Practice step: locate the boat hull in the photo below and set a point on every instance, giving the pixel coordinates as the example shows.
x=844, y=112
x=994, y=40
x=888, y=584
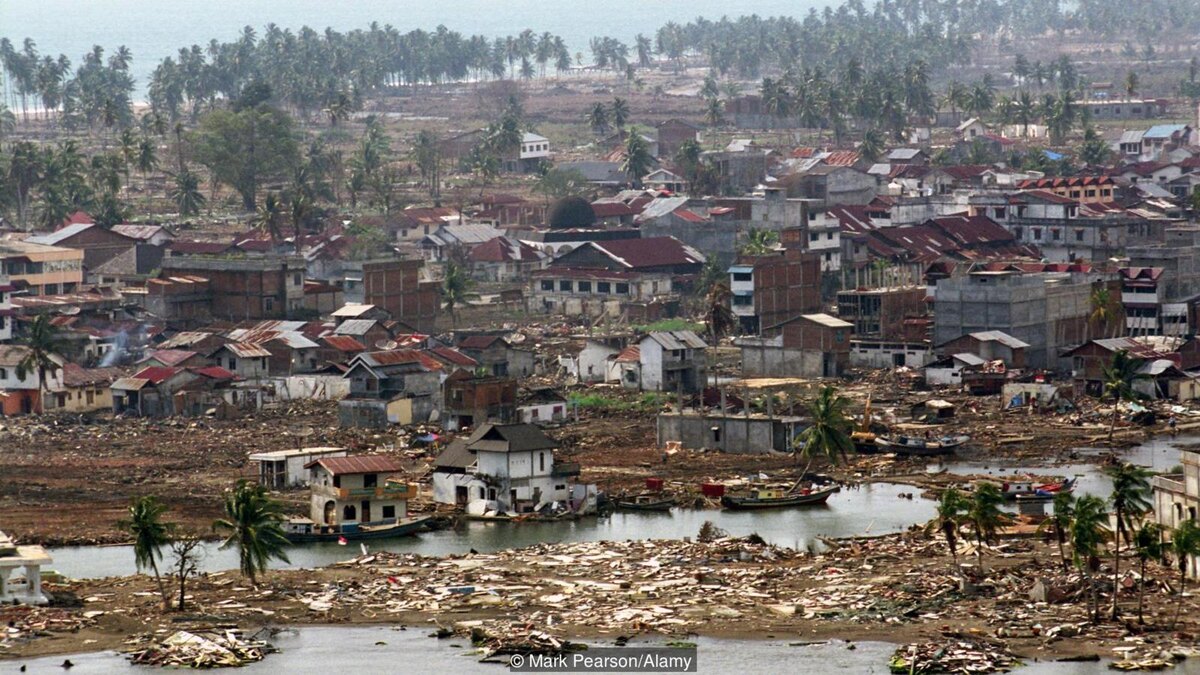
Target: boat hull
x=922, y=448
x=403, y=529
x=750, y=503
x=650, y=506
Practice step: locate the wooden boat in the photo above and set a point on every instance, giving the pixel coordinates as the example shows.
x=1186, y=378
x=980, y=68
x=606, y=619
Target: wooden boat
x=774, y=499
x=1047, y=492
x=305, y=531
x=921, y=447
x=645, y=502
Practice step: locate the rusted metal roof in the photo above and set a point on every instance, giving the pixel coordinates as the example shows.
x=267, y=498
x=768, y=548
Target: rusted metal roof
x=341, y=466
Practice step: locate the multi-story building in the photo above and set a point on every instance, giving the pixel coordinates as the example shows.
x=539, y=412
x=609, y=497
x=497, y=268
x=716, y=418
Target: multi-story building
x=767, y=290
x=1161, y=286
x=395, y=286
x=245, y=288
x=1048, y=311
x=7, y=313
x=39, y=269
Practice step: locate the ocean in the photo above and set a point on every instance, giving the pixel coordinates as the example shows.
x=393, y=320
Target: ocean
x=154, y=29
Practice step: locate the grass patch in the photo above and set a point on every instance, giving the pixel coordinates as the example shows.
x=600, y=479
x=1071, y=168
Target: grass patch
x=670, y=324
x=647, y=402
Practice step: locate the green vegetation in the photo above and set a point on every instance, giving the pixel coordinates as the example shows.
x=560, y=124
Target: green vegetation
x=252, y=523
x=647, y=402
x=669, y=324
x=150, y=534
x=828, y=432
x=1130, y=501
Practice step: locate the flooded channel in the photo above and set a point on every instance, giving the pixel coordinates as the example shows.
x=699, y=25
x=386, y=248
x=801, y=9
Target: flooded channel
x=870, y=509
x=384, y=649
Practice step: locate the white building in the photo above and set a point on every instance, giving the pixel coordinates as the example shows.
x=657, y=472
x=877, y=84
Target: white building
x=534, y=147
x=20, y=391
x=1177, y=497
x=7, y=313
x=508, y=469
x=23, y=587
x=280, y=469
x=825, y=239
x=664, y=361
x=357, y=490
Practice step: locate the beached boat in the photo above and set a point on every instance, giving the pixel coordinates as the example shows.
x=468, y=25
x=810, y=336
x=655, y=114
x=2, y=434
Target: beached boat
x=862, y=437
x=645, y=502
x=774, y=499
x=921, y=447
x=1047, y=492
x=304, y=531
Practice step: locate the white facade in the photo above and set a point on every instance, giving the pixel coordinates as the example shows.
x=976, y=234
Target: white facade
x=285, y=468
x=21, y=573
x=522, y=476
x=741, y=289
x=825, y=239
x=594, y=362
x=1177, y=498
x=534, y=146
x=541, y=413
x=9, y=379
x=6, y=310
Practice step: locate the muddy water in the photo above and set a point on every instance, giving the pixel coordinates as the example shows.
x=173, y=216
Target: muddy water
x=869, y=509
x=380, y=649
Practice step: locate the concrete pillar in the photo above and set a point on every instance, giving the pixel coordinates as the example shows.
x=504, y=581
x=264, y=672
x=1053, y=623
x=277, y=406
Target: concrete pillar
x=4, y=572
x=33, y=575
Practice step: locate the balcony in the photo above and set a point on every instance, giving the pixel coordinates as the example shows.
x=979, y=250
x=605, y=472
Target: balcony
x=387, y=491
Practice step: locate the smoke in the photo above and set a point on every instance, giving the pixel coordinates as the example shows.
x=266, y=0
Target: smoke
x=113, y=356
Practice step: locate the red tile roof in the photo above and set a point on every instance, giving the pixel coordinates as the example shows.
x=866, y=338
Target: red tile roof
x=478, y=341
x=842, y=158
x=1047, y=196
x=214, y=373
x=649, y=252
x=631, y=354
x=169, y=357
x=344, y=343
x=504, y=249
x=453, y=357
x=689, y=216
x=341, y=466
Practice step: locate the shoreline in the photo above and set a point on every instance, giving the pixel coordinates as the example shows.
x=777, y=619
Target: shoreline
x=896, y=588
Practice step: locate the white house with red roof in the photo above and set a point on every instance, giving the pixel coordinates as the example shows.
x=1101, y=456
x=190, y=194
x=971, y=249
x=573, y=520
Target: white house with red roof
x=503, y=259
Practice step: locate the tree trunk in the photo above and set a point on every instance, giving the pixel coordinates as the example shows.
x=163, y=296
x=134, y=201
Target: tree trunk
x=162, y=586
x=1142, y=594
x=1117, y=566
x=182, y=589
x=1062, y=552
x=1113, y=424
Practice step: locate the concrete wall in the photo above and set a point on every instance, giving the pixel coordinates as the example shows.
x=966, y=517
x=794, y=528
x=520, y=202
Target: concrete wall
x=760, y=360
x=733, y=433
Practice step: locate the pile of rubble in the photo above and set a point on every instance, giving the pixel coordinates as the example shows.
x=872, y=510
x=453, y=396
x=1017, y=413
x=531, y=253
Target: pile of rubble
x=959, y=656
x=202, y=649
x=21, y=623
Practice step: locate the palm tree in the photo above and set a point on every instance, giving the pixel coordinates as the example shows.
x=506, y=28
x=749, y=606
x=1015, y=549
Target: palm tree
x=1131, y=85
x=1087, y=538
x=720, y=316
x=456, y=287
x=1184, y=544
x=828, y=433
x=186, y=194
x=1130, y=498
x=8, y=121
x=638, y=159
x=42, y=345
x=597, y=118
x=1103, y=310
x=714, y=112
x=1119, y=376
x=759, y=242
x=620, y=112
x=983, y=511
x=872, y=145
x=269, y=216
x=1148, y=546
x=150, y=535
x=252, y=523
x=950, y=509
x=1060, y=520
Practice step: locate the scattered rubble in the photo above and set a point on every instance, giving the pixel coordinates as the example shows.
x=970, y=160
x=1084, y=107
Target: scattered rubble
x=202, y=649
x=959, y=656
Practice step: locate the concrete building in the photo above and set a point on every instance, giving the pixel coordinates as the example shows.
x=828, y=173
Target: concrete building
x=989, y=345
x=356, y=489
x=770, y=289
x=21, y=391
x=282, y=469
x=23, y=587
x=881, y=312
x=508, y=469
x=1176, y=497
x=470, y=401
x=752, y=434
x=39, y=269
x=670, y=361
x=7, y=312
x=99, y=245
x=391, y=387
x=1047, y=311
x=1161, y=286
x=245, y=288
x=809, y=345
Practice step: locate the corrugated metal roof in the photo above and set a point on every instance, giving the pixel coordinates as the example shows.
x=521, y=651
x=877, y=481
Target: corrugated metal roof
x=827, y=321
x=246, y=351
x=1001, y=337
x=678, y=339
x=168, y=357
x=649, y=252
x=354, y=327
x=53, y=238
x=340, y=466
x=352, y=310
x=344, y=343
x=970, y=359
x=130, y=384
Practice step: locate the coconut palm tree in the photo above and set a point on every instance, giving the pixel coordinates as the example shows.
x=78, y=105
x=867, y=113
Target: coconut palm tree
x=1103, y=309
x=1119, y=376
x=759, y=242
x=252, y=523
x=619, y=112
x=950, y=509
x=456, y=287
x=270, y=214
x=185, y=192
x=1060, y=521
x=150, y=535
x=720, y=315
x=1148, y=546
x=1087, y=540
x=714, y=112
x=1130, y=499
x=828, y=432
x=638, y=159
x=872, y=145
x=43, y=345
x=597, y=118
x=985, y=516
x=1184, y=545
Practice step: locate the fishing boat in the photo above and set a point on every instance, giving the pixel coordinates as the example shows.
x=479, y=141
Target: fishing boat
x=1032, y=490
x=645, y=502
x=305, y=531
x=763, y=498
x=921, y=447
